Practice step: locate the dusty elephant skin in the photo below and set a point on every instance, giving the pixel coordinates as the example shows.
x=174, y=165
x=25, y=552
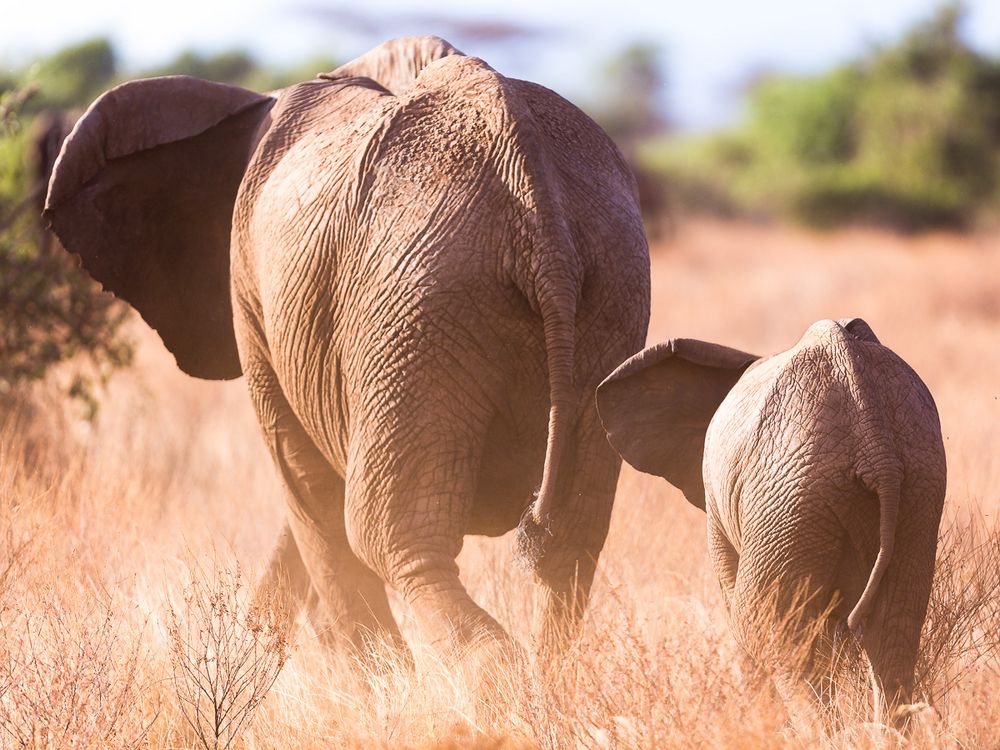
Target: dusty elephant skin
x=423, y=269
x=821, y=470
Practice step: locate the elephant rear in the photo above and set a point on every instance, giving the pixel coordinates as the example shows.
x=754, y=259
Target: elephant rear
x=871, y=500
x=901, y=462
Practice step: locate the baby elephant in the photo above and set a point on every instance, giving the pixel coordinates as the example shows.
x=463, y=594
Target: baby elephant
x=822, y=472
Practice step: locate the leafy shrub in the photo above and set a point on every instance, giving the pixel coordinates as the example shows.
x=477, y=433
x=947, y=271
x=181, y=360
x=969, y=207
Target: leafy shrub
x=907, y=136
x=52, y=312
x=73, y=76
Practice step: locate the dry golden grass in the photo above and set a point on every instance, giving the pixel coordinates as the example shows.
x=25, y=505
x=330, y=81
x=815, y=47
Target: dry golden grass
x=105, y=528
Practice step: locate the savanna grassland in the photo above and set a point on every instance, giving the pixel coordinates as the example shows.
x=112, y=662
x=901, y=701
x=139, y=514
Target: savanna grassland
x=130, y=543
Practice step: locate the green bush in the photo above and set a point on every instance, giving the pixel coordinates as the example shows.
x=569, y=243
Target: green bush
x=72, y=77
x=52, y=312
x=907, y=136
x=810, y=122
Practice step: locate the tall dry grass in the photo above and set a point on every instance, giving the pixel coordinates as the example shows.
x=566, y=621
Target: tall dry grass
x=105, y=526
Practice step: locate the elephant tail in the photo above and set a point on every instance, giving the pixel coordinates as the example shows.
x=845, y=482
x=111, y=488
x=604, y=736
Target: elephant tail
x=552, y=281
x=557, y=285
x=888, y=491
x=559, y=323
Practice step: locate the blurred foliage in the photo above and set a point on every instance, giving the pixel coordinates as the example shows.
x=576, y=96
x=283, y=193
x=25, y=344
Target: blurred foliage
x=629, y=103
x=52, y=312
x=630, y=97
x=73, y=76
x=240, y=68
x=908, y=136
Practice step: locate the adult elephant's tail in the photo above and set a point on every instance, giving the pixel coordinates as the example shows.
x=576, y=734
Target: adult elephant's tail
x=558, y=311
x=550, y=275
x=888, y=490
x=557, y=283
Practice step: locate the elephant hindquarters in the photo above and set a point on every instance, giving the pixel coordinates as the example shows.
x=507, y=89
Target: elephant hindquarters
x=413, y=457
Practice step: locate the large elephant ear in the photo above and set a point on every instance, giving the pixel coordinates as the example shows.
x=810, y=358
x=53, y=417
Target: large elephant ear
x=657, y=405
x=143, y=191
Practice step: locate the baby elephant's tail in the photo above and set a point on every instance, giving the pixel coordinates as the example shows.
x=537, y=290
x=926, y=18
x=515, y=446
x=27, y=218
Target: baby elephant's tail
x=887, y=488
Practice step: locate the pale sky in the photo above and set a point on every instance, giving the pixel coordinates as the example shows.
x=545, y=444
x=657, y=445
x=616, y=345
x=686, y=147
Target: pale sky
x=711, y=46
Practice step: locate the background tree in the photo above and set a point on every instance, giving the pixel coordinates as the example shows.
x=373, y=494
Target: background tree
x=906, y=136
x=631, y=106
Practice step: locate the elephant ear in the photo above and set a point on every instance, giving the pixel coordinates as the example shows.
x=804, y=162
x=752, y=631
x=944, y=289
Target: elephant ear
x=859, y=329
x=657, y=405
x=143, y=191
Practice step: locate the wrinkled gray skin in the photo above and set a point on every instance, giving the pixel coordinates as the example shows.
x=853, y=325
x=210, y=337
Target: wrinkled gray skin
x=821, y=467
x=422, y=268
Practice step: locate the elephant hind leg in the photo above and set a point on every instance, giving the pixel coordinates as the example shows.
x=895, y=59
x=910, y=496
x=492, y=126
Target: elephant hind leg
x=571, y=547
x=406, y=518
x=347, y=600
x=780, y=612
x=350, y=601
x=286, y=579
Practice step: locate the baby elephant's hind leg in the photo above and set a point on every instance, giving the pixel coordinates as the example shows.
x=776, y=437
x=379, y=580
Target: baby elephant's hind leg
x=779, y=610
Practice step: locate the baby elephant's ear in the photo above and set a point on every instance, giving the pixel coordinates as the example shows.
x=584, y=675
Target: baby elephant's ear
x=657, y=405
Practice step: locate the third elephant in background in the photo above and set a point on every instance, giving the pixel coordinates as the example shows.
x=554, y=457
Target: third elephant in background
x=822, y=472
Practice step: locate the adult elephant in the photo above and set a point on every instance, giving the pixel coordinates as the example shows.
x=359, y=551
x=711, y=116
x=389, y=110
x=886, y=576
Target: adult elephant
x=423, y=269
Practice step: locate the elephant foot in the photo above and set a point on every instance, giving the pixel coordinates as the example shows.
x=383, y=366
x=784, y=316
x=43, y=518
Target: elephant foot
x=498, y=675
x=567, y=590
x=472, y=646
x=907, y=716
x=367, y=647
